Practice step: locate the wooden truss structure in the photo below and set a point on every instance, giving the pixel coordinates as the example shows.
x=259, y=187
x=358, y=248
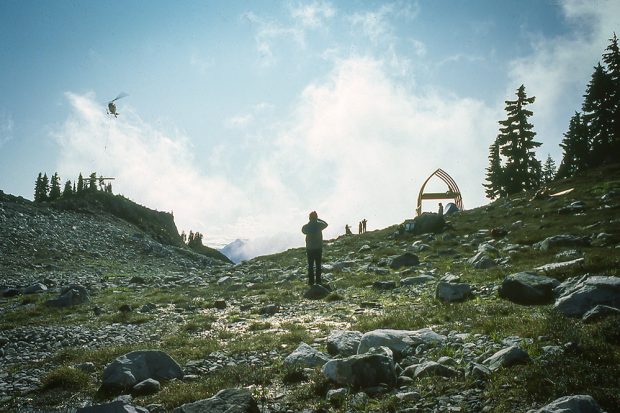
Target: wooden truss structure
x=453, y=191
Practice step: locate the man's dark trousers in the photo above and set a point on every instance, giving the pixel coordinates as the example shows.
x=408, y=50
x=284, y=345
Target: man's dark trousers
x=314, y=261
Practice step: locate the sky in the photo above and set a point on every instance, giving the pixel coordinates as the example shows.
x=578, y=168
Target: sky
x=244, y=116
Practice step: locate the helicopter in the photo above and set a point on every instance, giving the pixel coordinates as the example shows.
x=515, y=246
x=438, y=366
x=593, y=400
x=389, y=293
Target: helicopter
x=112, y=106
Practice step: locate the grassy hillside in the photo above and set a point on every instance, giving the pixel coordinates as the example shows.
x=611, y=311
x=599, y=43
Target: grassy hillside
x=233, y=326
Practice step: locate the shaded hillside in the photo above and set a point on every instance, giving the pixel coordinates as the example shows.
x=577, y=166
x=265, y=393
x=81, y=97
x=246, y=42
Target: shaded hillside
x=239, y=326
x=157, y=224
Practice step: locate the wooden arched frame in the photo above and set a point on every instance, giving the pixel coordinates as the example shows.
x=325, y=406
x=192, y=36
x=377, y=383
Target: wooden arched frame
x=453, y=191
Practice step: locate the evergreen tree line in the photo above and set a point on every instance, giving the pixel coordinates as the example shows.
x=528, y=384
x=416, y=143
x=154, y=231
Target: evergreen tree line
x=194, y=239
x=592, y=139
x=49, y=190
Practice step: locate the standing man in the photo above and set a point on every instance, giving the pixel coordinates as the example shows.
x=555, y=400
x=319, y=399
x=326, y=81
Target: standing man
x=314, y=246
x=364, y=225
x=440, y=212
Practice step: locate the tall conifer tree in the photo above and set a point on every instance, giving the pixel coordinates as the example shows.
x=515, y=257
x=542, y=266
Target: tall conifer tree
x=516, y=141
x=494, y=186
x=68, y=189
x=548, y=170
x=92, y=182
x=45, y=187
x=576, y=146
x=598, y=111
x=80, y=183
x=55, y=187
x=39, y=193
x=611, y=57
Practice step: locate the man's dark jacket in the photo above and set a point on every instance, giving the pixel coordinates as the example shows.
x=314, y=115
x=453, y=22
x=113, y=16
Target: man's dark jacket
x=314, y=236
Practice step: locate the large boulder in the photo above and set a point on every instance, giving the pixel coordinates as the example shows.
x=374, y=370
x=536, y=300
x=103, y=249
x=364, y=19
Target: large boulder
x=343, y=343
x=451, y=292
x=428, y=223
x=507, y=357
x=399, y=341
x=406, y=260
x=363, y=370
x=316, y=292
x=600, y=312
x=225, y=401
x=563, y=240
x=132, y=368
x=306, y=356
x=577, y=297
x=571, y=404
x=528, y=288
x=69, y=296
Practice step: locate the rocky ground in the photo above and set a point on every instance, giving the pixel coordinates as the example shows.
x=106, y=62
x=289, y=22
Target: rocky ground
x=498, y=344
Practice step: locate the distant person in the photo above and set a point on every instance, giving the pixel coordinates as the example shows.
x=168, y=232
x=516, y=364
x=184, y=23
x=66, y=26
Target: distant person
x=440, y=212
x=347, y=230
x=359, y=228
x=364, y=225
x=314, y=246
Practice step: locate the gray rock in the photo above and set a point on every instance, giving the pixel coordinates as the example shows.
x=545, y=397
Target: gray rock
x=363, y=370
x=600, y=312
x=419, y=246
x=117, y=406
x=225, y=401
x=577, y=297
x=406, y=260
x=384, y=285
x=87, y=367
x=477, y=371
x=482, y=261
x=564, y=265
x=562, y=241
x=419, y=279
x=316, y=292
x=337, y=396
x=146, y=387
x=507, y=357
x=428, y=223
x=528, y=288
x=34, y=288
x=451, y=292
x=306, y=356
x=343, y=343
x=399, y=341
x=131, y=368
x=70, y=296
x=431, y=368
x=571, y=404
x=269, y=309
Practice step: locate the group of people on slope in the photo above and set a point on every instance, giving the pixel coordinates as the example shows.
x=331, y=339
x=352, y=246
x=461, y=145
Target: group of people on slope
x=361, y=228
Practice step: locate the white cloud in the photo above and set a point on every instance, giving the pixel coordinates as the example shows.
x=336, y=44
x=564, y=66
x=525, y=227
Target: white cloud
x=377, y=25
x=361, y=146
x=151, y=167
x=313, y=14
x=268, y=33
x=6, y=129
x=238, y=121
x=559, y=68
x=356, y=145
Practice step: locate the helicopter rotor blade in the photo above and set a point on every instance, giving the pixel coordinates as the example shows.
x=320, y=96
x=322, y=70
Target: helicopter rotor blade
x=120, y=96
